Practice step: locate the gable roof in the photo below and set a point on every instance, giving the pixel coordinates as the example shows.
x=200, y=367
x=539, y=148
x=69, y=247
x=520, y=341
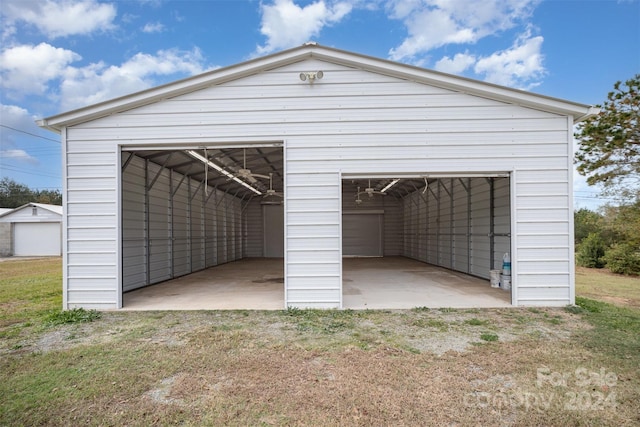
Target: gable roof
x=313, y=50
x=56, y=209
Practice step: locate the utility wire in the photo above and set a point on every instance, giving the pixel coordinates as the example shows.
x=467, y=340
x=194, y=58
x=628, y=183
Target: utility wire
x=29, y=133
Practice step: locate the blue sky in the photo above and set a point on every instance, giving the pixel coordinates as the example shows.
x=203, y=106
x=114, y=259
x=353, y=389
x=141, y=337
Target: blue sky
x=60, y=55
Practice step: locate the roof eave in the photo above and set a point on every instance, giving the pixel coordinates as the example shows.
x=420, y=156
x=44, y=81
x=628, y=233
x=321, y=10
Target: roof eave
x=172, y=89
x=578, y=111
x=461, y=84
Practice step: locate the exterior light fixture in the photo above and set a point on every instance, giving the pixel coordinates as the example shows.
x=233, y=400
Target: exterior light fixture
x=389, y=185
x=311, y=76
x=221, y=170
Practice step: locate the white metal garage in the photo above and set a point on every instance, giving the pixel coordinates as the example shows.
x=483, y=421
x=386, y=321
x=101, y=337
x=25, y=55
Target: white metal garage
x=368, y=158
x=36, y=229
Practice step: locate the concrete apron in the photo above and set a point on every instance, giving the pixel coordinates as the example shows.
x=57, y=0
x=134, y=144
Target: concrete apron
x=373, y=283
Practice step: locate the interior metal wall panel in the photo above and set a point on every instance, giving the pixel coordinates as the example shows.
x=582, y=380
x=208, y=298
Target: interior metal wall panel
x=197, y=232
x=391, y=207
x=254, y=231
x=461, y=224
x=159, y=235
x=480, y=227
x=134, y=227
x=457, y=226
x=273, y=216
x=171, y=227
x=180, y=223
x=210, y=229
x=362, y=234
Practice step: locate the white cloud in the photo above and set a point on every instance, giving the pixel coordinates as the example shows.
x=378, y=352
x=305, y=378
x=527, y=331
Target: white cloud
x=60, y=18
x=519, y=66
x=19, y=155
x=15, y=117
x=456, y=65
x=153, y=27
x=99, y=82
x=435, y=23
x=285, y=24
x=27, y=69
x=42, y=69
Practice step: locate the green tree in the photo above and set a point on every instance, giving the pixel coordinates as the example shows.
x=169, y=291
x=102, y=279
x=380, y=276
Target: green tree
x=591, y=252
x=585, y=223
x=609, y=142
x=622, y=223
x=623, y=258
x=13, y=194
x=51, y=197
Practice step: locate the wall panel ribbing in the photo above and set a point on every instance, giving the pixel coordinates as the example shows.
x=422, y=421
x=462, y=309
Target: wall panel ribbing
x=452, y=220
x=170, y=225
x=351, y=122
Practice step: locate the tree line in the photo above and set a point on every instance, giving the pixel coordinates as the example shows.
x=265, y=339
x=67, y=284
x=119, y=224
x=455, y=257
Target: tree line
x=609, y=155
x=13, y=195
x=609, y=238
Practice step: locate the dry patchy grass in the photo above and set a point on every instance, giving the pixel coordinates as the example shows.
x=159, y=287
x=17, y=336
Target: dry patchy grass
x=603, y=285
x=347, y=368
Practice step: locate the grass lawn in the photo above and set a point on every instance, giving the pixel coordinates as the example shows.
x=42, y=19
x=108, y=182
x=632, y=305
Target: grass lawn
x=603, y=285
x=520, y=366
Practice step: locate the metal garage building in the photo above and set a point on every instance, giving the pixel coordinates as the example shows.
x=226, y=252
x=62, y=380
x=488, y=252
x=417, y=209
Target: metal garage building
x=366, y=157
x=35, y=230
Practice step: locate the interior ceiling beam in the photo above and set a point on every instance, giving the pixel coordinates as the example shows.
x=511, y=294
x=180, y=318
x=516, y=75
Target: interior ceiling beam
x=420, y=176
x=212, y=147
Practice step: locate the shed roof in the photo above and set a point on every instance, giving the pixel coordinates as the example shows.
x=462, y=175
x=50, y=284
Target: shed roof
x=56, y=209
x=313, y=50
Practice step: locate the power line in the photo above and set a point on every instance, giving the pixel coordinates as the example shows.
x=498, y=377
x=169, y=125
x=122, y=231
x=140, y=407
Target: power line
x=26, y=171
x=29, y=133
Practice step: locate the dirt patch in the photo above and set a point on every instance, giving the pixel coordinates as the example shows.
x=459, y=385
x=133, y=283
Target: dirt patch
x=298, y=367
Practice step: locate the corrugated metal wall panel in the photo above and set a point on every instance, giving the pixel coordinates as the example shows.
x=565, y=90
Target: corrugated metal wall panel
x=134, y=231
x=197, y=232
x=452, y=222
x=89, y=241
x=182, y=223
x=390, y=206
x=211, y=228
x=307, y=233
x=160, y=255
x=461, y=224
x=366, y=123
x=502, y=221
x=254, y=231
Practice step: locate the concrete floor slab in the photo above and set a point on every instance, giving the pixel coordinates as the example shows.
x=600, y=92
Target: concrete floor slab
x=401, y=283
x=251, y=283
x=368, y=283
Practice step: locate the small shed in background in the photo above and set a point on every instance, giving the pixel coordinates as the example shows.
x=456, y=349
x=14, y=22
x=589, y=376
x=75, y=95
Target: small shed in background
x=34, y=229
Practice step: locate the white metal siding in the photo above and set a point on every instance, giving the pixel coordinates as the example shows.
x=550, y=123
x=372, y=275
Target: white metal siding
x=313, y=240
x=352, y=121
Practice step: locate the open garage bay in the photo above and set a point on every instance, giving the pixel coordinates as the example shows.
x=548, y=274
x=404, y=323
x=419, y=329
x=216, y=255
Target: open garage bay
x=369, y=283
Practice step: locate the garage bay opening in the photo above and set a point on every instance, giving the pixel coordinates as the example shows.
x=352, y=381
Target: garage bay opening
x=424, y=241
x=204, y=226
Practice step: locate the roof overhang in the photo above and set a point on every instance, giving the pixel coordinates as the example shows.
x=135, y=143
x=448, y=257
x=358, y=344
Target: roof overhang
x=578, y=111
